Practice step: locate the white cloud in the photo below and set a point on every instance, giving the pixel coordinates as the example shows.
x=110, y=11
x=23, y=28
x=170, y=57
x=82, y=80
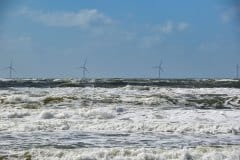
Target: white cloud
x=182, y=26
x=165, y=28
x=150, y=41
x=84, y=18
x=230, y=14
x=227, y=16
x=170, y=27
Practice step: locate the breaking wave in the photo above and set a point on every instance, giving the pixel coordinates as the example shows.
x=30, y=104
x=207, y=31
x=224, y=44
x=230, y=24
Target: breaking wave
x=146, y=120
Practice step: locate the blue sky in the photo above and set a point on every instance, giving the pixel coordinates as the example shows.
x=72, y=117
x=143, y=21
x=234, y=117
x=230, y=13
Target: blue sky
x=120, y=38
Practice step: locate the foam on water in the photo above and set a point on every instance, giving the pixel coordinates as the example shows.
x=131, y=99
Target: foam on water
x=120, y=121
x=199, y=153
x=18, y=115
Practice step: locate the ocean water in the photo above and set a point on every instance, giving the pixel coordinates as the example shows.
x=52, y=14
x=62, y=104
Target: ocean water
x=145, y=120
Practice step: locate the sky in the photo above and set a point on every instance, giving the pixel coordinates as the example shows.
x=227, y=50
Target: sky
x=120, y=39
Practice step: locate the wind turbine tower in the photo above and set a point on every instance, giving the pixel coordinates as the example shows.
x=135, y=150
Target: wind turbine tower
x=84, y=69
x=237, y=71
x=11, y=69
x=160, y=69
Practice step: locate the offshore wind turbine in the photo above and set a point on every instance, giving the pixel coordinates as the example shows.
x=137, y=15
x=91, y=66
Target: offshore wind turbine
x=237, y=71
x=11, y=69
x=160, y=69
x=84, y=69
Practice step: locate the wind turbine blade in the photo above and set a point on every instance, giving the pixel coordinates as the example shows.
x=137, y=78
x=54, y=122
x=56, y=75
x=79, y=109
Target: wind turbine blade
x=80, y=68
x=85, y=62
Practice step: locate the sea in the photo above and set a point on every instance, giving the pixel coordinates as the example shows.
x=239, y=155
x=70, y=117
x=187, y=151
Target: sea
x=119, y=119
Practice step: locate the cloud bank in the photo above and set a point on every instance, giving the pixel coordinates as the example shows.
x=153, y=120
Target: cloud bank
x=83, y=18
x=170, y=27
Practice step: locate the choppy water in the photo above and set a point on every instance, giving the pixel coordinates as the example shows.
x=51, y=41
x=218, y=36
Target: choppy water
x=128, y=122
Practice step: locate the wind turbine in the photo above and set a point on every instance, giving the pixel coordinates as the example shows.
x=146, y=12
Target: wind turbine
x=11, y=69
x=84, y=69
x=160, y=69
x=237, y=71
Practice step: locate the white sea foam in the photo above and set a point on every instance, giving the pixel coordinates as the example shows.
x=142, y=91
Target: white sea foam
x=18, y=115
x=98, y=113
x=16, y=99
x=132, y=120
x=203, y=153
x=226, y=80
x=137, y=111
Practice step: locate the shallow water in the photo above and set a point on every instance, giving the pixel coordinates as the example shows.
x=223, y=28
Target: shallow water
x=135, y=122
